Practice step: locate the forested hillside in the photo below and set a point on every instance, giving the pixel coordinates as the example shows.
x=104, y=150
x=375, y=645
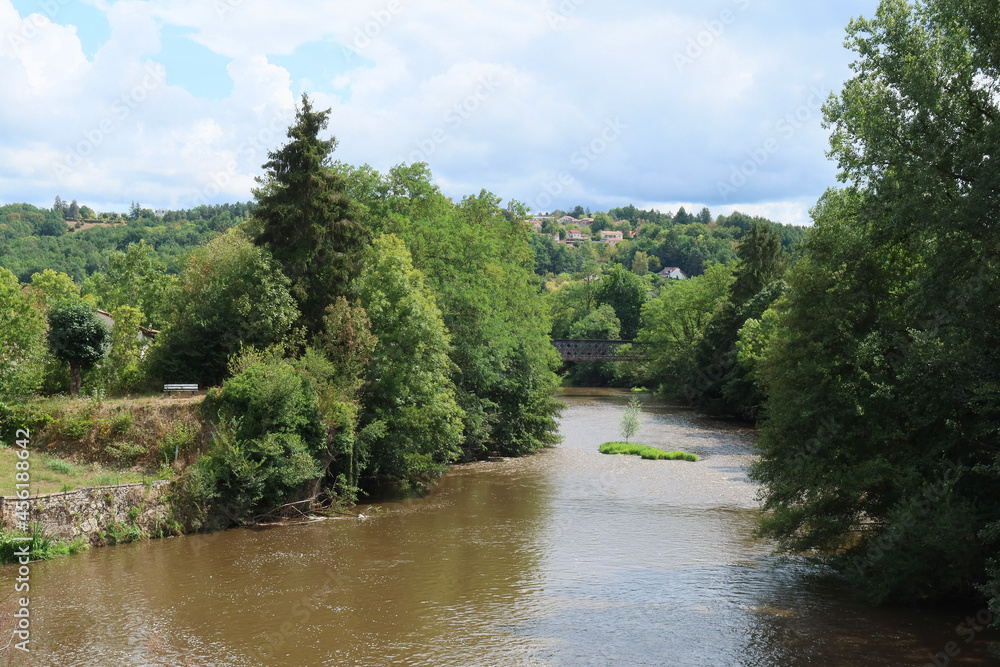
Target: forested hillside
x=34, y=239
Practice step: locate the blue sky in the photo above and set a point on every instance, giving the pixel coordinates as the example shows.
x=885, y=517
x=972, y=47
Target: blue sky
x=174, y=103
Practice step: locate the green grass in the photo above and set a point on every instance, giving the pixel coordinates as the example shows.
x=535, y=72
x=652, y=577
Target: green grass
x=51, y=474
x=646, y=452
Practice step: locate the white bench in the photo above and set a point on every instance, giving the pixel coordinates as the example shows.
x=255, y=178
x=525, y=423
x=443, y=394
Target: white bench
x=180, y=387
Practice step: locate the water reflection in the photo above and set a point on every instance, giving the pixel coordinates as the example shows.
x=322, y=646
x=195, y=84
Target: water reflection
x=566, y=558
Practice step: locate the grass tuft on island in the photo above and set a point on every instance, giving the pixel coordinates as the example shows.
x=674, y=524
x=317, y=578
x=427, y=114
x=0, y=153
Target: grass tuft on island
x=646, y=452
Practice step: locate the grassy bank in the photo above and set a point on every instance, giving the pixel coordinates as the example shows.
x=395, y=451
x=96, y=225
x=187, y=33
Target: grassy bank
x=646, y=452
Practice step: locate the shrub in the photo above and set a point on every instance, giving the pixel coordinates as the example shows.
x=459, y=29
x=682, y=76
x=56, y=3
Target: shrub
x=61, y=467
x=125, y=453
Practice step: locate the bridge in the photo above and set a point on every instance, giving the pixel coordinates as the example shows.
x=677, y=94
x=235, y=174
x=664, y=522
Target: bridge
x=601, y=350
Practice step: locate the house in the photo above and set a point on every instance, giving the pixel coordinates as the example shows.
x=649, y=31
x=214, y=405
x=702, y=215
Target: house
x=145, y=336
x=611, y=237
x=567, y=219
x=585, y=221
x=574, y=235
x=160, y=212
x=536, y=225
x=673, y=273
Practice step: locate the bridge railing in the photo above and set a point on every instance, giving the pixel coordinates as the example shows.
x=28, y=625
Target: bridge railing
x=601, y=350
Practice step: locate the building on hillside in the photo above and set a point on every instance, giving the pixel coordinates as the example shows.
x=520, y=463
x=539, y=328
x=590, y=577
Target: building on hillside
x=567, y=219
x=160, y=212
x=536, y=225
x=673, y=273
x=574, y=235
x=586, y=221
x=613, y=238
x=146, y=335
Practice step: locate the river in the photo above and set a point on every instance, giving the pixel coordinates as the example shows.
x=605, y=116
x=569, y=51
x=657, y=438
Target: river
x=567, y=558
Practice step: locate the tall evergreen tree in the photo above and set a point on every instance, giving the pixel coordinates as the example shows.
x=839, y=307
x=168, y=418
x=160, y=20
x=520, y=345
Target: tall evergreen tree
x=305, y=217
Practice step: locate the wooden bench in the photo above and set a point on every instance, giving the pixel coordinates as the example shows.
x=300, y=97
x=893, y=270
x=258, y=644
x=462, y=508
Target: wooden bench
x=180, y=387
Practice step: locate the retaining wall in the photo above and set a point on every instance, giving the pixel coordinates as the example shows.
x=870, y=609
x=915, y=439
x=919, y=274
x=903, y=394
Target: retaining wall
x=91, y=512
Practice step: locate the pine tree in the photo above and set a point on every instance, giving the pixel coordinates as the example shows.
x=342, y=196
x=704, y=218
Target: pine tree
x=306, y=218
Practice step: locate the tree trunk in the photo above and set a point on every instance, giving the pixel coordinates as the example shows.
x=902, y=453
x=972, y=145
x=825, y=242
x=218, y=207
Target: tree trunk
x=74, y=383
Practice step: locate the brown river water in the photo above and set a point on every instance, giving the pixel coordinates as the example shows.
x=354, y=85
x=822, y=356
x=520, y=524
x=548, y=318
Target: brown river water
x=568, y=558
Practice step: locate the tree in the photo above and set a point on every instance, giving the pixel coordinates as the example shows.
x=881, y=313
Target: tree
x=78, y=337
x=599, y=324
x=630, y=421
x=122, y=371
x=134, y=211
x=73, y=212
x=22, y=340
x=59, y=206
x=53, y=287
x=626, y=293
x=578, y=212
x=231, y=294
x=762, y=260
x=640, y=263
x=410, y=422
x=305, y=217
x=138, y=279
x=674, y=324
x=882, y=369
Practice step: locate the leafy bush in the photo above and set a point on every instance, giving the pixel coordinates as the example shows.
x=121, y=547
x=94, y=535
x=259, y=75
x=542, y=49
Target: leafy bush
x=125, y=452
x=178, y=440
x=269, y=442
x=265, y=398
x=40, y=547
x=61, y=467
x=15, y=416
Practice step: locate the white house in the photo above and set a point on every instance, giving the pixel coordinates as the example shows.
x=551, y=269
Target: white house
x=611, y=237
x=673, y=273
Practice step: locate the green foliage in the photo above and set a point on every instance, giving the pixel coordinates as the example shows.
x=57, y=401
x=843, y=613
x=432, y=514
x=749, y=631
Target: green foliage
x=881, y=371
x=630, y=422
x=77, y=337
x=305, y=218
x=646, y=452
x=137, y=279
x=269, y=442
x=626, y=293
x=178, y=441
x=674, y=324
x=53, y=287
x=124, y=452
x=27, y=246
x=600, y=324
x=477, y=261
x=123, y=371
x=231, y=294
x=61, y=467
x=122, y=533
x=408, y=388
x=22, y=340
x=40, y=546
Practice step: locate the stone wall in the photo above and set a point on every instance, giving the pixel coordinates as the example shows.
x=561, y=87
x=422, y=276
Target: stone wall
x=91, y=512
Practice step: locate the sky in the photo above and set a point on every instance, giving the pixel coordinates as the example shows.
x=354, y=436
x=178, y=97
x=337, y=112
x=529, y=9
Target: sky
x=555, y=103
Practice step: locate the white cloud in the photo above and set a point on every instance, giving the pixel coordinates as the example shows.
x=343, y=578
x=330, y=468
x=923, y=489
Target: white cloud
x=494, y=94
